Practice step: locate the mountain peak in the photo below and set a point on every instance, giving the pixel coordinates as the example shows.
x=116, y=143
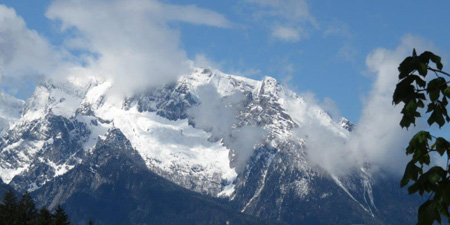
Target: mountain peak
x=346, y=124
x=269, y=86
x=237, y=138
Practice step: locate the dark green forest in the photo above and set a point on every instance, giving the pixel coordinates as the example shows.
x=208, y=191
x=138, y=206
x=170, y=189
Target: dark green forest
x=23, y=211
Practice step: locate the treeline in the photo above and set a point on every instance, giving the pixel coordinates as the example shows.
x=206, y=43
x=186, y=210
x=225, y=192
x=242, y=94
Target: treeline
x=24, y=212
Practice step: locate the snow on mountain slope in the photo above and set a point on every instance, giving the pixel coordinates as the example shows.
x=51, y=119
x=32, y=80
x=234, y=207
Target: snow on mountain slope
x=173, y=149
x=211, y=153
x=45, y=141
x=252, y=142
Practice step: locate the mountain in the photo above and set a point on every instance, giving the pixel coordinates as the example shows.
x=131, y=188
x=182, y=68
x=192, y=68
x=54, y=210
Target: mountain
x=114, y=186
x=211, y=146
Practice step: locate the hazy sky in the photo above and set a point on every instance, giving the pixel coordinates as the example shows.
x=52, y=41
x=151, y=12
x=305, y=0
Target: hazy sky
x=319, y=47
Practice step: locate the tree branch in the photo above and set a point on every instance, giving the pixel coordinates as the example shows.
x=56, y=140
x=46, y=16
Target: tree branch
x=438, y=71
x=426, y=89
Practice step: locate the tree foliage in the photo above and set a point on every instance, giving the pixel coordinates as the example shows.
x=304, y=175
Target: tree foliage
x=423, y=88
x=24, y=212
x=60, y=217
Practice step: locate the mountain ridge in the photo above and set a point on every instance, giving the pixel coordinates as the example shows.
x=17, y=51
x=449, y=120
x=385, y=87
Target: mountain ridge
x=213, y=133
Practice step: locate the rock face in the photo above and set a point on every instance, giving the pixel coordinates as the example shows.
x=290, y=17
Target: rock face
x=207, y=135
x=114, y=186
x=346, y=124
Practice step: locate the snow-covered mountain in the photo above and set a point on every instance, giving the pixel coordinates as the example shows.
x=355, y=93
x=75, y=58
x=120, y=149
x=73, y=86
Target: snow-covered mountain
x=213, y=133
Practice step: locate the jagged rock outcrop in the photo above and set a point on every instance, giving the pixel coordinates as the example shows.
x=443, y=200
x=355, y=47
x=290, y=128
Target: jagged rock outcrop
x=214, y=134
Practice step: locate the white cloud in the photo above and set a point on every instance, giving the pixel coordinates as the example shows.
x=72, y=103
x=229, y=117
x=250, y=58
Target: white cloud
x=193, y=14
x=201, y=60
x=245, y=140
x=211, y=107
x=242, y=141
x=286, y=33
x=292, y=10
x=324, y=147
x=23, y=52
x=378, y=138
x=327, y=104
x=131, y=41
x=246, y=72
x=290, y=16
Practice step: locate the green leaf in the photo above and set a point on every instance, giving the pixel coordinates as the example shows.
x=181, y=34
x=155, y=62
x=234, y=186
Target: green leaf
x=403, y=92
x=439, y=66
x=425, y=159
x=423, y=136
x=445, y=194
x=419, y=142
x=418, y=147
x=436, y=83
x=411, y=107
x=405, y=122
x=440, y=120
x=430, y=107
x=435, y=181
x=444, y=103
x=435, y=174
x=431, y=120
x=441, y=145
x=414, y=188
x=417, y=114
x=434, y=95
x=406, y=67
x=420, y=81
x=421, y=96
x=411, y=173
x=437, y=60
x=425, y=57
x=422, y=69
x=428, y=213
x=447, y=92
x=434, y=87
x=436, y=117
x=420, y=104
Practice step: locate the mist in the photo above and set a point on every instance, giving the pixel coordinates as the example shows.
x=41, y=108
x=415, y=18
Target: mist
x=130, y=43
x=133, y=44
x=218, y=115
x=377, y=140
x=25, y=55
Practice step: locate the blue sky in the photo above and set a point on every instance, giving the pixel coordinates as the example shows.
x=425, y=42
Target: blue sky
x=312, y=46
